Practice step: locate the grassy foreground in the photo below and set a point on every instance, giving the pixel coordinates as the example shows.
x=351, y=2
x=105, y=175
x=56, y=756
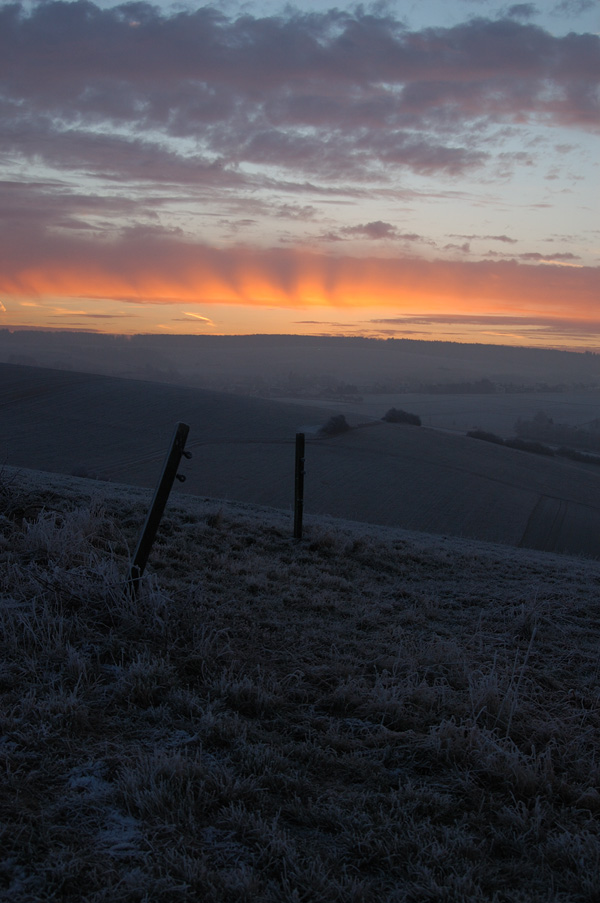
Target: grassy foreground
x=367, y=715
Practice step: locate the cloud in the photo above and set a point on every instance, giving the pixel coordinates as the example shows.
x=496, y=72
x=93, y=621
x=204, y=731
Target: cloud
x=189, y=313
x=96, y=316
x=522, y=11
x=523, y=327
x=535, y=255
x=296, y=211
x=115, y=137
x=330, y=235
x=562, y=257
x=142, y=269
x=484, y=320
x=503, y=238
x=30, y=208
x=197, y=97
x=574, y=7
x=464, y=248
x=375, y=230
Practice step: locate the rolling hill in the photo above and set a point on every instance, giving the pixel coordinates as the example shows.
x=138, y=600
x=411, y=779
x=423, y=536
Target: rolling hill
x=243, y=449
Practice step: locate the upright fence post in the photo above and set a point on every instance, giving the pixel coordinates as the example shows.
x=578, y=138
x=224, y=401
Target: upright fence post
x=299, y=486
x=157, y=507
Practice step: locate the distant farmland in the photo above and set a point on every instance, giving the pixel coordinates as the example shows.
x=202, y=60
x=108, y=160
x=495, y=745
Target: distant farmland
x=390, y=474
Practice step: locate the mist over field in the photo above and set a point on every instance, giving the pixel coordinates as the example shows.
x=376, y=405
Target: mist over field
x=105, y=407
x=305, y=366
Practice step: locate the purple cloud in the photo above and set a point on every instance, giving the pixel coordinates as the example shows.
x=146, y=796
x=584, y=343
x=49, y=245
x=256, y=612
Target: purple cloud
x=574, y=7
x=376, y=230
x=335, y=94
x=534, y=255
x=537, y=257
x=503, y=238
x=522, y=11
x=527, y=324
x=464, y=248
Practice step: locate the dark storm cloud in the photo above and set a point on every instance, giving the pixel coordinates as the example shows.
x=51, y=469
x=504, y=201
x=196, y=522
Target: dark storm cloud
x=332, y=94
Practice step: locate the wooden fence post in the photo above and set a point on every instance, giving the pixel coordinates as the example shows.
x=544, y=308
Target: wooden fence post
x=299, y=486
x=157, y=507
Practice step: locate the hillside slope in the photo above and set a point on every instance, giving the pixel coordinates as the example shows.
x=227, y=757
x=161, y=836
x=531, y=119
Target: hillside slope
x=243, y=449
x=365, y=715
x=426, y=480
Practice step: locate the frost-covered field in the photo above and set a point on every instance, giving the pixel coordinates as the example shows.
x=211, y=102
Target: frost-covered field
x=366, y=715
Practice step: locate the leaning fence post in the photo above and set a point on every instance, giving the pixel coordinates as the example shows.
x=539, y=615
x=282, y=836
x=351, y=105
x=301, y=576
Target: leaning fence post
x=157, y=507
x=299, y=486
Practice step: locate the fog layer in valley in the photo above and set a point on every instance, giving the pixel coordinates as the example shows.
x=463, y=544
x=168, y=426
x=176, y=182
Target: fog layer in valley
x=436, y=478
x=306, y=366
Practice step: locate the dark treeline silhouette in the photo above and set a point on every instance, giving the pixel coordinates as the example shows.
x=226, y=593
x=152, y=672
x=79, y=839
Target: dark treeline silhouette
x=469, y=387
x=535, y=447
x=487, y=437
x=529, y=445
x=575, y=455
x=543, y=429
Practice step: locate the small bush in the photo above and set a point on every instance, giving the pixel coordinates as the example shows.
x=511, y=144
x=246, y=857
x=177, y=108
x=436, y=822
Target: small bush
x=575, y=455
x=335, y=426
x=394, y=415
x=537, y=448
x=487, y=437
x=80, y=470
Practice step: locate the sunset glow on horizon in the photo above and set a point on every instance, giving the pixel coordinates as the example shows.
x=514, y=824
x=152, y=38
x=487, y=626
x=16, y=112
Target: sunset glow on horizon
x=419, y=173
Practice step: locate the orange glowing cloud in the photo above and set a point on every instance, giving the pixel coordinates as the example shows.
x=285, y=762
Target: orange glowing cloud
x=170, y=272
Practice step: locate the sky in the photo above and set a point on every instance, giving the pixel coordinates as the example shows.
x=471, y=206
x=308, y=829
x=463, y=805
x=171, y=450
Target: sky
x=398, y=169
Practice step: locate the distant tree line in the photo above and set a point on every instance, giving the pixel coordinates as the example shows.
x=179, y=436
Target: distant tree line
x=487, y=437
x=535, y=447
x=543, y=429
x=528, y=445
x=469, y=387
x=521, y=444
